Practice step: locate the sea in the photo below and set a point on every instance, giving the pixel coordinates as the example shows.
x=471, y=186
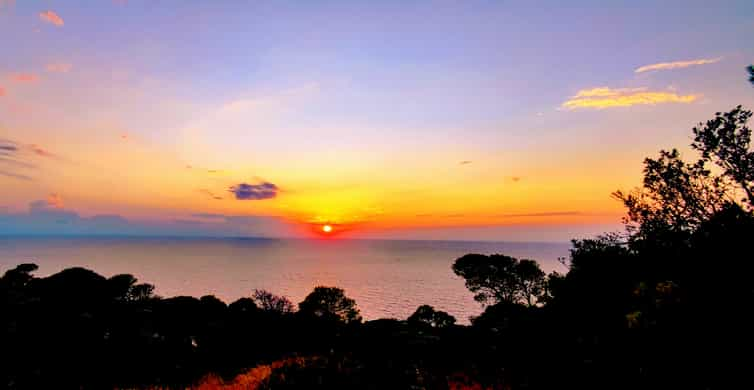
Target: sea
x=386, y=278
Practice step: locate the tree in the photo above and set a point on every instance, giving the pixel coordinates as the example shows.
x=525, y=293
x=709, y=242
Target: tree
x=751, y=73
x=726, y=141
x=426, y=314
x=499, y=278
x=675, y=196
x=267, y=301
x=330, y=302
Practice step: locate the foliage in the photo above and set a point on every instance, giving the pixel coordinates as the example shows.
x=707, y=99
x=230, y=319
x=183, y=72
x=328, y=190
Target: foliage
x=726, y=141
x=675, y=197
x=499, y=278
x=330, y=302
x=427, y=315
x=268, y=301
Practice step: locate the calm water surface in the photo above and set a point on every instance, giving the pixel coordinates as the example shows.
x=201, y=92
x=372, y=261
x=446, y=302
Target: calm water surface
x=386, y=278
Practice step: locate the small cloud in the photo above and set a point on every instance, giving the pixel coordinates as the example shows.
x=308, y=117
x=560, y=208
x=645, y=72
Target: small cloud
x=465, y=162
x=39, y=151
x=24, y=77
x=676, y=64
x=516, y=179
x=51, y=17
x=264, y=190
x=604, y=97
x=59, y=67
x=210, y=194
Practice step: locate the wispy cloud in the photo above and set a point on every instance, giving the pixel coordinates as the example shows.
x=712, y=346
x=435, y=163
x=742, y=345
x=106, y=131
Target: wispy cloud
x=24, y=77
x=543, y=214
x=210, y=194
x=676, y=64
x=15, y=176
x=59, y=67
x=51, y=17
x=39, y=151
x=465, y=162
x=604, y=97
x=264, y=190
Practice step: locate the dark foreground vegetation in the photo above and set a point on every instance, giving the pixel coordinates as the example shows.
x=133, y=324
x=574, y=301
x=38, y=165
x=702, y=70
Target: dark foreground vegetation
x=667, y=304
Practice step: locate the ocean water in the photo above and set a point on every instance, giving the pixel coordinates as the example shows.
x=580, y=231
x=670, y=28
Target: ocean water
x=388, y=279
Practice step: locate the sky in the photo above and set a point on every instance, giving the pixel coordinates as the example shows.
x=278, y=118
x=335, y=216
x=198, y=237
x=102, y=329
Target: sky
x=473, y=120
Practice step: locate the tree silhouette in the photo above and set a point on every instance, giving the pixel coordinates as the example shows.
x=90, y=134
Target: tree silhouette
x=675, y=196
x=267, y=301
x=726, y=141
x=751, y=73
x=427, y=315
x=330, y=302
x=499, y=278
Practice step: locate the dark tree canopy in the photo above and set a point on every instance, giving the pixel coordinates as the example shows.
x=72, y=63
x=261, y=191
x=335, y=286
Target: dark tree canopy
x=330, y=302
x=751, y=73
x=268, y=301
x=427, y=315
x=499, y=278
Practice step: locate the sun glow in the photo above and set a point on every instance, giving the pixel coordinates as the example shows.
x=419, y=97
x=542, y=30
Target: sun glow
x=327, y=228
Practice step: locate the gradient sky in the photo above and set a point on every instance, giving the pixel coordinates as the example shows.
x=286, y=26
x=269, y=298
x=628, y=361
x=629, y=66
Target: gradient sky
x=489, y=120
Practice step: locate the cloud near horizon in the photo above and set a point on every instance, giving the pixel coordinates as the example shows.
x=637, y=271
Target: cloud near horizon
x=605, y=97
x=543, y=214
x=245, y=191
x=44, y=217
x=51, y=17
x=676, y=64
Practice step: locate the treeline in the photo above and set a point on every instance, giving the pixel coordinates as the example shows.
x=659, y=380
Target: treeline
x=666, y=304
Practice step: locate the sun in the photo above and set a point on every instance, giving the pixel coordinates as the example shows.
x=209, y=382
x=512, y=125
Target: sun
x=327, y=228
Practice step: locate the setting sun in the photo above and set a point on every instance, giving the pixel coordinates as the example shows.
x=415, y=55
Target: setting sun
x=327, y=228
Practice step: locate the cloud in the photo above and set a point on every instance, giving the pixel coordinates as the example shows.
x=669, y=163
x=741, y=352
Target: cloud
x=59, y=67
x=604, y=97
x=7, y=146
x=516, y=179
x=544, y=214
x=15, y=175
x=53, y=202
x=2, y=91
x=465, y=162
x=676, y=64
x=210, y=194
x=24, y=77
x=51, y=17
x=39, y=151
x=14, y=162
x=264, y=190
